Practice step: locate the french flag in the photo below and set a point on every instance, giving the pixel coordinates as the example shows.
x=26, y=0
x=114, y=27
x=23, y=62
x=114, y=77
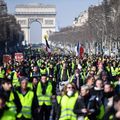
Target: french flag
x=77, y=49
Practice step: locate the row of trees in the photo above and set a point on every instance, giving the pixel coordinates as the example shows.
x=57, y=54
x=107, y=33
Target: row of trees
x=104, y=21
x=11, y=36
x=100, y=33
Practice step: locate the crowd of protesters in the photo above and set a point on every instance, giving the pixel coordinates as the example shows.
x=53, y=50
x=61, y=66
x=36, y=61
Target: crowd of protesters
x=60, y=88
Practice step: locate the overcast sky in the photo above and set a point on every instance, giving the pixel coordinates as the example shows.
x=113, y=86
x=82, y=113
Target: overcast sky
x=67, y=10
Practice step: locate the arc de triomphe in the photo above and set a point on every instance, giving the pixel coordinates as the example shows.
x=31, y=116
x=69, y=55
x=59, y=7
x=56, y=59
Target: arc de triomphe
x=44, y=14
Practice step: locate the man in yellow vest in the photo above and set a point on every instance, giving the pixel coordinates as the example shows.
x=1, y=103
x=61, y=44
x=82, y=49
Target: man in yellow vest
x=44, y=94
x=43, y=69
x=27, y=99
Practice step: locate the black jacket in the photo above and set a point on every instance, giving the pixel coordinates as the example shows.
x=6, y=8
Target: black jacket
x=88, y=102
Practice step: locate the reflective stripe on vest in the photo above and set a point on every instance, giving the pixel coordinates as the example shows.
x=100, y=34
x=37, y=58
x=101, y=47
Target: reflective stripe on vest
x=26, y=102
x=67, y=106
x=44, y=99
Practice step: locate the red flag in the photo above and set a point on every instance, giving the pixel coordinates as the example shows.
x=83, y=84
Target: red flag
x=81, y=52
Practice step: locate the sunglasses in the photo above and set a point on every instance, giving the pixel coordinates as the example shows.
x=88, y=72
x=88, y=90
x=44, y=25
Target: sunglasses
x=70, y=87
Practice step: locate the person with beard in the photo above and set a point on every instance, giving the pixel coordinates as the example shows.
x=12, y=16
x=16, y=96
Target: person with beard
x=98, y=90
x=45, y=94
x=108, y=96
x=86, y=106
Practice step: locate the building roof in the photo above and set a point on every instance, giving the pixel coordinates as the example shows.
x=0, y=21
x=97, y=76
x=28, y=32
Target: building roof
x=35, y=5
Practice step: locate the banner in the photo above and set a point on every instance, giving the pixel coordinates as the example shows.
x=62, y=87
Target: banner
x=7, y=58
x=19, y=57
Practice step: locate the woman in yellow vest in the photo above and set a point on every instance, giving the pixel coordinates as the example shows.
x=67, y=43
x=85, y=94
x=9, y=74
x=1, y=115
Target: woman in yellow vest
x=67, y=102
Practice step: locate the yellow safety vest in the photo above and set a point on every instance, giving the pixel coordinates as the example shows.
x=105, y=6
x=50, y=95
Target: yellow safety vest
x=10, y=114
x=44, y=99
x=101, y=113
x=67, y=106
x=114, y=71
x=43, y=71
x=59, y=99
x=26, y=102
x=62, y=74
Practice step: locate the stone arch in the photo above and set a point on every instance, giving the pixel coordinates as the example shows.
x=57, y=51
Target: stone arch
x=35, y=37
x=44, y=14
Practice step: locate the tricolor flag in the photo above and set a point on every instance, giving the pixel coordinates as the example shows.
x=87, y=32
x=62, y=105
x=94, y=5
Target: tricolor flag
x=77, y=49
